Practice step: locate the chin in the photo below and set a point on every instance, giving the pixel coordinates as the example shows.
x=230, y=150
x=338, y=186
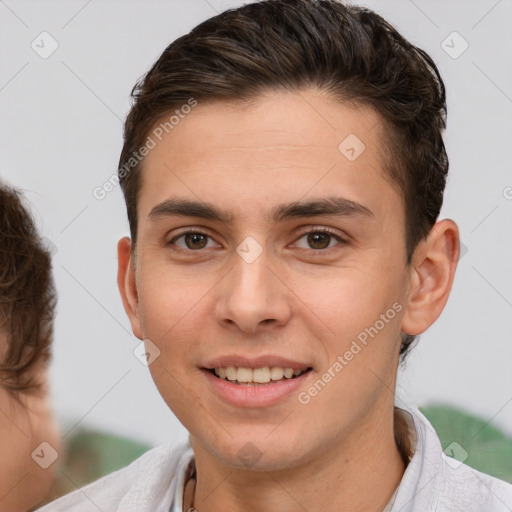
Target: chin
x=254, y=449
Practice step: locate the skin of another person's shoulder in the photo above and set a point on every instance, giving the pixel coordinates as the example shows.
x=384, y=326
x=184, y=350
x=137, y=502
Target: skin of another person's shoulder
x=26, y=315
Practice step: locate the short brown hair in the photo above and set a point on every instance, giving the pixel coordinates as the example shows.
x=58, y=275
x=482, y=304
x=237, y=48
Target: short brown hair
x=349, y=52
x=27, y=295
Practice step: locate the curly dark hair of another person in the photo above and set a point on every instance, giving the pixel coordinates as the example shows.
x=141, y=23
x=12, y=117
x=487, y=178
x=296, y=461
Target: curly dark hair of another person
x=348, y=52
x=27, y=296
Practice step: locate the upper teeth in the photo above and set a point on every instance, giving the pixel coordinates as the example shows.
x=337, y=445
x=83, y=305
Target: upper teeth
x=259, y=375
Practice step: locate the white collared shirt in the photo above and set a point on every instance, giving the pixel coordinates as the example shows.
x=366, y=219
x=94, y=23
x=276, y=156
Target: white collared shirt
x=432, y=482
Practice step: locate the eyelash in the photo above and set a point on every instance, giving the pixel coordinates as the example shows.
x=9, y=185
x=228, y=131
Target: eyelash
x=319, y=230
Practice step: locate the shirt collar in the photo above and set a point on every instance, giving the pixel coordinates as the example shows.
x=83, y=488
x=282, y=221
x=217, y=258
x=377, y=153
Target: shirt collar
x=420, y=482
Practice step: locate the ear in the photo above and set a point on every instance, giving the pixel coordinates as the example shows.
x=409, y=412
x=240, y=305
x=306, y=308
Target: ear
x=432, y=271
x=127, y=284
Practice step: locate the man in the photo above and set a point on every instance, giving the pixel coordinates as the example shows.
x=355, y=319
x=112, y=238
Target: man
x=29, y=442
x=283, y=169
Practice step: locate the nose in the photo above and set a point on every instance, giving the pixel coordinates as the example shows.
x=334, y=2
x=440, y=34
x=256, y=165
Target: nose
x=251, y=295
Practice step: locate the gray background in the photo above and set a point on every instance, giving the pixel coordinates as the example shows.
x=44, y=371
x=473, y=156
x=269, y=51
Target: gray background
x=61, y=120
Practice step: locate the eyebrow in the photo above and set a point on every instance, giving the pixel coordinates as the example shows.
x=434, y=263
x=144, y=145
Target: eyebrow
x=331, y=206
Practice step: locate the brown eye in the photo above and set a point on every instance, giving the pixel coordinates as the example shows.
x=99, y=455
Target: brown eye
x=319, y=240
x=192, y=241
x=195, y=240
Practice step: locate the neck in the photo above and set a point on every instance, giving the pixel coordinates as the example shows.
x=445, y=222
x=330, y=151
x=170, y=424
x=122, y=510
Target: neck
x=351, y=474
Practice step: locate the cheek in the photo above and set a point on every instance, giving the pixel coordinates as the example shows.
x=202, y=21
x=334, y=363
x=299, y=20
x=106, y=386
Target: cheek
x=165, y=302
x=350, y=300
x=175, y=317
x=362, y=315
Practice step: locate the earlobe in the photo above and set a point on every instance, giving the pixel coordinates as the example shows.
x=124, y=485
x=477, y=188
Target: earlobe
x=127, y=284
x=432, y=273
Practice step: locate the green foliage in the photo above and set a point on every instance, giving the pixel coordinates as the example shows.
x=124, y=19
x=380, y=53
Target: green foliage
x=98, y=454
x=489, y=450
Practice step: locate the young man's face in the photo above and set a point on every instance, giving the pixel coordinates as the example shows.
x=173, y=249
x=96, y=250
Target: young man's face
x=273, y=284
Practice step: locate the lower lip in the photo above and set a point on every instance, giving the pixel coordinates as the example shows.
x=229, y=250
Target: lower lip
x=256, y=396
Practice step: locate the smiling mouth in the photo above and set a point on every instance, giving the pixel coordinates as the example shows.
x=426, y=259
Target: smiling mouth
x=263, y=376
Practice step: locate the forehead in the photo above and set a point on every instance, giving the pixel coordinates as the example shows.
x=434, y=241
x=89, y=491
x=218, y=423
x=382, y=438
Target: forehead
x=280, y=147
